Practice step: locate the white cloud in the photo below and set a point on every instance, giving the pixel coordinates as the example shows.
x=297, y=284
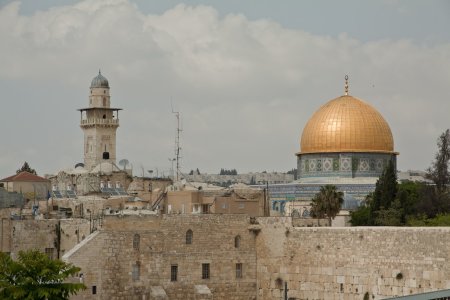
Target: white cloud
x=245, y=88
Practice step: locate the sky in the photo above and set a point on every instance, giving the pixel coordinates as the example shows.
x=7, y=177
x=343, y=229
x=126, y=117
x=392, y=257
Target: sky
x=245, y=75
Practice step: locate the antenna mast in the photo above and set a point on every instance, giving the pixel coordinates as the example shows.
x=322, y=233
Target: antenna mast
x=177, y=144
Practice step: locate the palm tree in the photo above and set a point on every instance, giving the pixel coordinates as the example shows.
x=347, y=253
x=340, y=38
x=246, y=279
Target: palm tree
x=327, y=203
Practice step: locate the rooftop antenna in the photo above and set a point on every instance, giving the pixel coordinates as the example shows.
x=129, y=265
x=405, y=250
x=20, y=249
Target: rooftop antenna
x=177, y=143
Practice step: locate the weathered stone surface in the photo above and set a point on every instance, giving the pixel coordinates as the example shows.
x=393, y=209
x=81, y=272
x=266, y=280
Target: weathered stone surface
x=315, y=262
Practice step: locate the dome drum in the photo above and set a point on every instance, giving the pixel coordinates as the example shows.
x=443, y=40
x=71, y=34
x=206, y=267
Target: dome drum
x=344, y=165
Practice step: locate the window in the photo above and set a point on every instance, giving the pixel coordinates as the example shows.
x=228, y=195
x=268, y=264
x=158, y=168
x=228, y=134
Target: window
x=196, y=209
x=49, y=252
x=205, y=208
x=94, y=289
x=189, y=236
x=241, y=205
x=173, y=272
x=239, y=270
x=237, y=241
x=136, y=241
x=104, y=101
x=136, y=271
x=205, y=271
x=224, y=206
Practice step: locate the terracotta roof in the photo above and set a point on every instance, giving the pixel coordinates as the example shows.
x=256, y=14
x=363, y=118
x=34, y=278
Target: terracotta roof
x=24, y=176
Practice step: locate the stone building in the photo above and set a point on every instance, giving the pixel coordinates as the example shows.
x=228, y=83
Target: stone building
x=238, y=199
x=246, y=178
x=168, y=257
x=29, y=185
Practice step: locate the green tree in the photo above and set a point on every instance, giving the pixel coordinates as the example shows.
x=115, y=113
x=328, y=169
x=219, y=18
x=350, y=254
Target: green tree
x=391, y=216
x=26, y=168
x=34, y=276
x=361, y=216
x=385, y=188
x=438, y=172
x=327, y=203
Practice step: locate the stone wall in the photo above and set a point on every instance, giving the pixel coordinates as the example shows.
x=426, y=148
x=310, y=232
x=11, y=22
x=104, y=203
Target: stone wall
x=315, y=262
x=33, y=234
x=107, y=258
x=347, y=263
x=53, y=237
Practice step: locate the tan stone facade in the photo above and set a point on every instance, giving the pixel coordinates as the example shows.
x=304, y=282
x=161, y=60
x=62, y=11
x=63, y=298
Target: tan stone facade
x=109, y=259
x=53, y=237
x=249, y=202
x=316, y=263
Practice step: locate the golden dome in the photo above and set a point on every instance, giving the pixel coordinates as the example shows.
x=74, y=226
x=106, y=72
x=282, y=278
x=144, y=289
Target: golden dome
x=346, y=124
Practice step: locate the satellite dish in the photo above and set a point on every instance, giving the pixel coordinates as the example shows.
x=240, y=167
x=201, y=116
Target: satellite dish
x=124, y=163
x=79, y=165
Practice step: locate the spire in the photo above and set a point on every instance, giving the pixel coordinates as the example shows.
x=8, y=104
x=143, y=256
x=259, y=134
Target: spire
x=99, y=72
x=346, y=85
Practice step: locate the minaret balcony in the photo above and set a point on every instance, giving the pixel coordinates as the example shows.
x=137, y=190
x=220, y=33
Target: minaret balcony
x=101, y=122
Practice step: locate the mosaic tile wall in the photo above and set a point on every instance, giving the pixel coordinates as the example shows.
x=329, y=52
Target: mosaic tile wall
x=349, y=165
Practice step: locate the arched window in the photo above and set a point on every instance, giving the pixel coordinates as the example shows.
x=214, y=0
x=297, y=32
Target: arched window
x=136, y=241
x=237, y=241
x=189, y=236
x=136, y=271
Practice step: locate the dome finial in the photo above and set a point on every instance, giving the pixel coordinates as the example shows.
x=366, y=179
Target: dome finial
x=346, y=85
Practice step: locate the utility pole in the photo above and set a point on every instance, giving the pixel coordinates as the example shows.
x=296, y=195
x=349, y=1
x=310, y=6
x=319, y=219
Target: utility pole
x=267, y=200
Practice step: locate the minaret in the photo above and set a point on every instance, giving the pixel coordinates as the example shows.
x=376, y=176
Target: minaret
x=99, y=123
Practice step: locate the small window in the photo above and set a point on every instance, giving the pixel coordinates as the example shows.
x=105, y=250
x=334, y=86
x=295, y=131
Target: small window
x=241, y=205
x=104, y=116
x=136, y=271
x=224, y=205
x=49, y=252
x=136, y=241
x=189, y=237
x=104, y=101
x=237, y=241
x=239, y=270
x=94, y=289
x=173, y=272
x=205, y=271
